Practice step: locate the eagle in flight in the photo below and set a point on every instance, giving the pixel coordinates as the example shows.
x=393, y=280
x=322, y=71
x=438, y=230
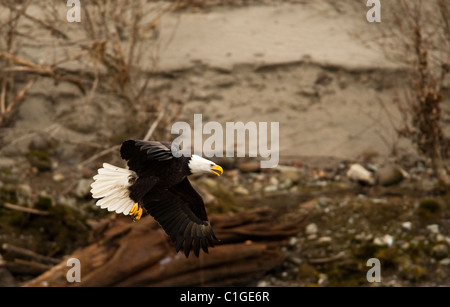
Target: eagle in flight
x=156, y=183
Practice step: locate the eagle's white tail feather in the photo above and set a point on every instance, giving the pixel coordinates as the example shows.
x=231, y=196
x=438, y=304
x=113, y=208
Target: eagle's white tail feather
x=111, y=186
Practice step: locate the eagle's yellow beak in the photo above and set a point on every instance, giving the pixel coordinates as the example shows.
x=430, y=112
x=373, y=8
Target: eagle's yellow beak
x=216, y=169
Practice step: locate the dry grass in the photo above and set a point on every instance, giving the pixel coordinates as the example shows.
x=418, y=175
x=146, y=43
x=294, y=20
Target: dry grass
x=109, y=54
x=113, y=32
x=418, y=33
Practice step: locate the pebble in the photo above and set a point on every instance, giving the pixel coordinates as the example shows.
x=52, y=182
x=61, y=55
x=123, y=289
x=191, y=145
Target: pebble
x=439, y=251
x=289, y=173
x=270, y=188
x=324, y=239
x=312, y=237
x=40, y=142
x=273, y=181
x=58, y=177
x=296, y=260
x=311, y=229
x=323, y=201
x=405, y=245
x=323, y=278
x=433, y=228
x=358, y=173
x=240, y=190
x=389, y=175
x=440, y=238
x=445, y=262
x=263, y=283
x=407, y=225
x=286, y=184
x=385, y=240
x=293, y=241
x=24, y=191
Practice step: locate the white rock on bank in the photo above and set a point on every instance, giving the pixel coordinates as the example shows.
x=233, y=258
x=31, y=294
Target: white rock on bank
x=358, y=173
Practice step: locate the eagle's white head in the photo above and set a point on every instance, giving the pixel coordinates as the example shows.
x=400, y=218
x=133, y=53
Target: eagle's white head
x=198, y=165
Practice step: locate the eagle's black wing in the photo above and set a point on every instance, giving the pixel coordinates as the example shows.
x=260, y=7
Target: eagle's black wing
x=140, y=154
x=181, y=213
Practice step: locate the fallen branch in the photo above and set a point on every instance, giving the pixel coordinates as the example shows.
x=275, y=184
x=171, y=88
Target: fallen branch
x=327, y=259
x=25, y=209
x=23, y=252
x=140, y=254
x=24, y=267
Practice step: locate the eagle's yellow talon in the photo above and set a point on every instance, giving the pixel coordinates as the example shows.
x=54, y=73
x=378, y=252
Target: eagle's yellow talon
x=139, y=214
x=134, y=209
x=136, y=212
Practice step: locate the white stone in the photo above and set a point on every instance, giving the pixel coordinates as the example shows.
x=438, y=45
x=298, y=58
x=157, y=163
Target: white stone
x=407, y=225
x=311, y=229
x=433, y=228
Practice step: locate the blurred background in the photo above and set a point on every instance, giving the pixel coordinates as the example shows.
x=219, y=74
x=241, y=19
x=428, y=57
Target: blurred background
x=364, y=119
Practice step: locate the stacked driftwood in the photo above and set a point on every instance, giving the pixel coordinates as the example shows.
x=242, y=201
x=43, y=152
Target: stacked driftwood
x=139, y=254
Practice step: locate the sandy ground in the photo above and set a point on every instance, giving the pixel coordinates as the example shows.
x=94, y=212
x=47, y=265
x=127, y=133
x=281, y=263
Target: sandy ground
x=309, y=66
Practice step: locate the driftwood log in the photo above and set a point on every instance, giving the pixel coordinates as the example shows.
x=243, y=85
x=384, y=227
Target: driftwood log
x=140, y=254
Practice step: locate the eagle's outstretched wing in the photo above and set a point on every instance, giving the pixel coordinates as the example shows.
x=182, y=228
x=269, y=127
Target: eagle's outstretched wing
x=140, y=154
x=181, y=213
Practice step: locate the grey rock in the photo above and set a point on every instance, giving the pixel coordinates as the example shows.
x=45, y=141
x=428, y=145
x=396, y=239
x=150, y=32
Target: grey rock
x=41, y=143
x=391, y=174
x=439, y=251
x=39, y=160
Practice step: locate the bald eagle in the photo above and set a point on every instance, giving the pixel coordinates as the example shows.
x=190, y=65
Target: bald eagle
x=156, y=183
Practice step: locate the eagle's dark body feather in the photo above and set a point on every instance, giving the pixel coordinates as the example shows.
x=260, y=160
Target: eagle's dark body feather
x=163, y=189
